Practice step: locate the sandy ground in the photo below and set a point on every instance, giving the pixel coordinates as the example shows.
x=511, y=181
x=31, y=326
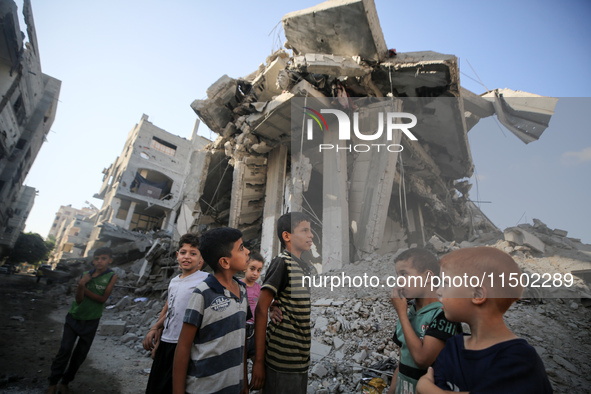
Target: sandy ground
x=30, y=334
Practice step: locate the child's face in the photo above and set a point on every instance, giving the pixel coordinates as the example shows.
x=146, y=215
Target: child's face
x=253, y=271
x=456, y=300
x=189, y=258
x=239, y=258
x=301, y=237
x=412, y=288
x=102, y=261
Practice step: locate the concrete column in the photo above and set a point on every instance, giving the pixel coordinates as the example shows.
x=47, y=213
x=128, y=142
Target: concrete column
x=237, y=193
x=169, y=221
x=130, y=214
x=374, y=185
x=273, y=208
x=335, y=207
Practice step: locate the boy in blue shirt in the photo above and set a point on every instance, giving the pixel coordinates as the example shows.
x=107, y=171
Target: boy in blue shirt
x=491, y=359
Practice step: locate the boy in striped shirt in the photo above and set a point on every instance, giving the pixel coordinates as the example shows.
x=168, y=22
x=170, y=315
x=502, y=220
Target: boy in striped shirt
x=282, y=361
x=211, y=352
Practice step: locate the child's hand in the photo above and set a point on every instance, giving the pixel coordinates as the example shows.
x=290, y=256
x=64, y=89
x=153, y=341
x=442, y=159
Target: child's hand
x=85, y=279
x=427, y=382
x=258, y=376
x=152, y=337
x=275, y=314
x=399, y=301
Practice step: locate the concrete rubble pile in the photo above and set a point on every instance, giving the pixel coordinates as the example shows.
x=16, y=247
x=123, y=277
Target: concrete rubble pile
x=336, y=50
x=353, y=326
x=150, y=254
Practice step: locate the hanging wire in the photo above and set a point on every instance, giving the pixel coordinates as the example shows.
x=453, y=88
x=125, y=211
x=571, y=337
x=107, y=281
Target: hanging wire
x=482, y=83
x=312, y=212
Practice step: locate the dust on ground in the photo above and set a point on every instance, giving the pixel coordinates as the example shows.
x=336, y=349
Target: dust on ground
x=30, y=335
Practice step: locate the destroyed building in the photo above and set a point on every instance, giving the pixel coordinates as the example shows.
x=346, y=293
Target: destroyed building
x=67, y=213
x=365, y=202
x=143, y=189
x=71, y=229
x=27, y=111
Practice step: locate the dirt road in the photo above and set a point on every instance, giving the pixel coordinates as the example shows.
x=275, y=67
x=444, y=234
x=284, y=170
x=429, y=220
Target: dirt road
x=30, y=334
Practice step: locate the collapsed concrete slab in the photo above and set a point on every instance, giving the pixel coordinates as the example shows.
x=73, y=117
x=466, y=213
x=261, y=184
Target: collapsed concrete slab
x=215, y=112
x=525, y=114
x=337, y=27
x=360, y=203
x=519, y=236
x=339, y=66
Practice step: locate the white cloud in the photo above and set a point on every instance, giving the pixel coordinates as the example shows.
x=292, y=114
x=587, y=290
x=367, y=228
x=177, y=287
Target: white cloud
x=578, y=157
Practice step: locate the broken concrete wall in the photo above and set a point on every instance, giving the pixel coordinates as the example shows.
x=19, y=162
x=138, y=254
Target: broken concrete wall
x=327, y=28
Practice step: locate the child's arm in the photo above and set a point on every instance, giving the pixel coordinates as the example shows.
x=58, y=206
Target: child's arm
x=182, y=355
x=392, y=388
x=81, y=287
x=426, y=384
x=153, y=335
x=423, y=352
x=260, y=330
x=82, y=291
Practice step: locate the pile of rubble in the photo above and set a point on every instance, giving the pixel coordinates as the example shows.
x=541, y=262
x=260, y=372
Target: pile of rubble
x=353, y=326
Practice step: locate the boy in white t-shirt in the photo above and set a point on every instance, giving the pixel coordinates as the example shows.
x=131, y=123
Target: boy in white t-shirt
x=164, y=334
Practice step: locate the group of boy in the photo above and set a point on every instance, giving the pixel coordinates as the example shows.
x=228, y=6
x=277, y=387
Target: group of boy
x=206, y=329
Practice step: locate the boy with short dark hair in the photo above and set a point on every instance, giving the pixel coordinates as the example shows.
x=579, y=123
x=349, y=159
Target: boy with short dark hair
x=422, y=331
x=252, y=274
x=282, y=361
x=82, y=320
x=491, y=359
x=164, y=334
x=211, y=351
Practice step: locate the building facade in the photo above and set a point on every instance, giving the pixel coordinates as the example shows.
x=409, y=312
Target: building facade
x=20, y=212
x=27, y=108
x=143, y=188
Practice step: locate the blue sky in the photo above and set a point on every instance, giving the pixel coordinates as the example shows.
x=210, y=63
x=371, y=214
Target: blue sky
x=120, y=59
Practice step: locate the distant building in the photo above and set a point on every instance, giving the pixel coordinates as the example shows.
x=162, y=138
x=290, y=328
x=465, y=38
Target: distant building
x=67, y=214
x=142, y=189
x=27, y=109
x=72, y=238
x=71, y=229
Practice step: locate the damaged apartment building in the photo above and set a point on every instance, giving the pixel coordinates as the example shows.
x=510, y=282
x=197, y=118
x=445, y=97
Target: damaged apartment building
x=71, y=230
x=364, y=203
x=144, y=189
x=27, y=110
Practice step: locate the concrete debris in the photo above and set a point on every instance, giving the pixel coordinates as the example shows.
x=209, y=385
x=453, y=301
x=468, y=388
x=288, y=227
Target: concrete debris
x=353, y=326
x=328, y=28
x=519, y=236
x=112, y=328
x=525, y=114
x=338, y=53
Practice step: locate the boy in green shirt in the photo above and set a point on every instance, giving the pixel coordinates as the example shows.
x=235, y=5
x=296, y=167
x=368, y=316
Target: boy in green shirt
x=94, y=288
x=422, y=331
